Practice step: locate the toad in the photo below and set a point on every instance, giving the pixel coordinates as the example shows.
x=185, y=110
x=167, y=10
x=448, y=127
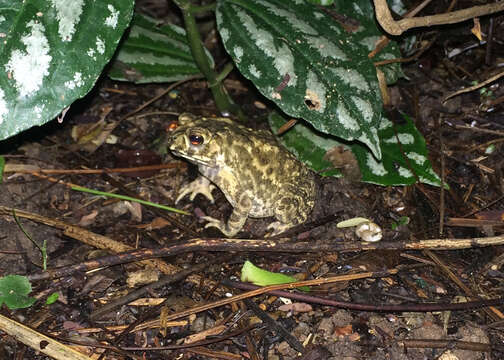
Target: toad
x=256, y=174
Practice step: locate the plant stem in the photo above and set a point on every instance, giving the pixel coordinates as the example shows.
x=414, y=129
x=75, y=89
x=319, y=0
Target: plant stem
x=199, y=9
x=225, y=71
x=222, y=99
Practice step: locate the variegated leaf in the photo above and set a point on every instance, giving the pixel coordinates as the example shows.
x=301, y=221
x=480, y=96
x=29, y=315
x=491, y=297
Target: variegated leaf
x=311, y=147
x=52, y=53
x=153, y=53
x=311, y=64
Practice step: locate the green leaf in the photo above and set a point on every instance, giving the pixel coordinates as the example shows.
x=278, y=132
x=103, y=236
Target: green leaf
x=310, y=146
x=153, y=53
x=308, y=63
x=51, y=299
x=403, y=220
x=14, y=290
x=52, y=54
x=261, y=277
x=369, y=33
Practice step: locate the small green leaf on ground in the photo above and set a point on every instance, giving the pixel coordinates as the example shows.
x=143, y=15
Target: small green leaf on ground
x=51, y=299
x=261, y=277
x=14, y=290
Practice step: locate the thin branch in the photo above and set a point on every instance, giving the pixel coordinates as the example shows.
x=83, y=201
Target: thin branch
x=398, y=27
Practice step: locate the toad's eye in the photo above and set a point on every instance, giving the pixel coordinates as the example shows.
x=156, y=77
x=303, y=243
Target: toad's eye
x=196, y=139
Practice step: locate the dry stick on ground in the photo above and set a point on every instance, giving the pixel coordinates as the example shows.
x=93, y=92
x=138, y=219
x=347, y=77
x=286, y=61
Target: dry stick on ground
x=165, y=280
x=87, y=237
x=100, y=345
x=31, y=169
x=393, y=27
x=274, y=326
x=420, y=307
x=445, y=344
x=39, y=342
x=495, y=314
x=251, y=245
x=219, y=244
x=475, y=87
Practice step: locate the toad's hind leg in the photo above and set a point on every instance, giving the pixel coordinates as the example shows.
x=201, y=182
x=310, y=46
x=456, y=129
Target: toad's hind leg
x=236, y=220
x=292, y=209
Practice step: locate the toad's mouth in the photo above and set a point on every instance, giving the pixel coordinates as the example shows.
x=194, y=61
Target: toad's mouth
x=192, y=159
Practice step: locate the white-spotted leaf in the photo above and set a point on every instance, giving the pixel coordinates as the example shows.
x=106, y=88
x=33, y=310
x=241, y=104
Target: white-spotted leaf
x=154, y=53
x=52, y=53
x=395, y=167
x=313, y=65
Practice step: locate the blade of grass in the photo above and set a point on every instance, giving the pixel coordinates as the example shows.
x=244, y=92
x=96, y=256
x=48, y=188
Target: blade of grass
x=128, y=198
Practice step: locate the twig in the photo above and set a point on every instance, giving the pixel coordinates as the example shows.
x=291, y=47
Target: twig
x=475, y=87
x=419, y=307
x=165, y=280
x=87, y=237
x=28, y=169
x=247, y=245
x=38, y=341
x=238, y=245
x=477, y=129
x=492, y=312
x=272, y=325
x=445, y=344
x=393, y=27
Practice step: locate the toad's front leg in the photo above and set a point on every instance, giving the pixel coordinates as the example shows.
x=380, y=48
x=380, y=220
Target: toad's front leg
x=201, y=186
x=236, y=220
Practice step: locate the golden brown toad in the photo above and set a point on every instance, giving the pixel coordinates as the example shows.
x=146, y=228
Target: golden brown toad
x=258, y=176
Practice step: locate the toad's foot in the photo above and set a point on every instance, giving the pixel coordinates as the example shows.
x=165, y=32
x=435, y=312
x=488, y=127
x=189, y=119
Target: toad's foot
x=277, y=227
x=221, y=225
x=201, y=186
x=236, y=220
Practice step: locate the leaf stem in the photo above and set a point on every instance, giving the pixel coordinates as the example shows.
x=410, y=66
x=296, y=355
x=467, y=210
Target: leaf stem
x=195, y=9
x=225, y=71
x=222, y=99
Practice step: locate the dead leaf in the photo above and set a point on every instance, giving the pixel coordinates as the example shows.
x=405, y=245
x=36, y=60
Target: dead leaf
x=204, y=334
x=296, y=307
x=476, y=29
x=344, y=160
x=142, y=277
x=156, y=224
x=88, y=219
x=342, y=331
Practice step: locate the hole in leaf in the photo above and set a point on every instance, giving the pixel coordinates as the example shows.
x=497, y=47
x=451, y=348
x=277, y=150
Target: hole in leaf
x=311, y=100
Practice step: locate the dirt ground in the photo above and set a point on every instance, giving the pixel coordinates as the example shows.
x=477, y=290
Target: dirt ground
x=464, y=137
